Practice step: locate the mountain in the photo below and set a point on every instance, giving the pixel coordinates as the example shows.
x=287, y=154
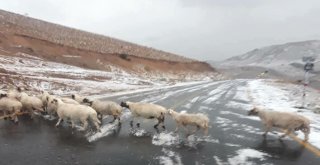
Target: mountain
x=285, y=59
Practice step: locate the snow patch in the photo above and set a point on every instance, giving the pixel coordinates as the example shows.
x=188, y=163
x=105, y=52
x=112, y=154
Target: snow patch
x=169, y=158
x=245, y=156
x=165, y=139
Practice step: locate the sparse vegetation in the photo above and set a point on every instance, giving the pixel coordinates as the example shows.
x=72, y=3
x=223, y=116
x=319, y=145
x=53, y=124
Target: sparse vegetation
x=80, y=39
x=147, y=68
x=124, y=56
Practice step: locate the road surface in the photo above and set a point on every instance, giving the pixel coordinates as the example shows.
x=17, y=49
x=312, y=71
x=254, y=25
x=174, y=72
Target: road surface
x=234, y=138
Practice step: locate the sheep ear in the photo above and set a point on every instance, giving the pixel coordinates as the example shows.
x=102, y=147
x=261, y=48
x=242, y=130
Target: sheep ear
x=55, y=100
x=72, y=96
x=19, y=89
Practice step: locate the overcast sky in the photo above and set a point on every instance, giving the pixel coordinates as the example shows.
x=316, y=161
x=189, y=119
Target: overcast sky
x=200, y=29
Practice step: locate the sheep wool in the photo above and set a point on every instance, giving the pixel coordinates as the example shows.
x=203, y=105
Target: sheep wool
x=10, y=106
x=75, y=113
x=105, y=108
x=183, y=119
x=289, y=121
x=146, y=110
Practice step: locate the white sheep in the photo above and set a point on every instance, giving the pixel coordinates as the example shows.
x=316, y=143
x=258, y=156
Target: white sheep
x=197, y=119
x=289, y=121
x=10, y=106
x=14, y=93
x=31, y=103
x=44, y=97
x=105, y=108
x=75, y=113
x=146, y=110
x=49, y=98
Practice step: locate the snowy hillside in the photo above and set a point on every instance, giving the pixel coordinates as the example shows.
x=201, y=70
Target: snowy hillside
x=285, y=58
x=37, y=74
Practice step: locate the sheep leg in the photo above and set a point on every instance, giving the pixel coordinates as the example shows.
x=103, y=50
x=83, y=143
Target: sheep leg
x=131, y=123
x=306, y=132
x=15, y=117
x=195, y=130
x=267, y=129
x=100, y=116
x=85, y=124
x=160, y=121
x=119, y=120
x=59, y=121
x=285, y=134
x=114, y=118
x=97, y=126
x=177, y=128
x=205, y=131
x=156, y=126
x=186, y=129
x=72, y=124
x=5, y=114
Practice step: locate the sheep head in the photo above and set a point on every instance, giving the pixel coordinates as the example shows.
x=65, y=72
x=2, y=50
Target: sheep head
x=54, y=101
x=86, y=100
x=124, y=104
x=73, y=96
x=253, y=112
x=171, y=111
x=19, y=89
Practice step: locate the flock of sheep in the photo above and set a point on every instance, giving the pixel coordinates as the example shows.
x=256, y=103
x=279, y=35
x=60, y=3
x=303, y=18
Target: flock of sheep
x=84, y=110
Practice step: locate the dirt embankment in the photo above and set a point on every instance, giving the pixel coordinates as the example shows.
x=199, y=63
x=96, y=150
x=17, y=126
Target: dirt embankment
x=12, y=44
x=75, y=47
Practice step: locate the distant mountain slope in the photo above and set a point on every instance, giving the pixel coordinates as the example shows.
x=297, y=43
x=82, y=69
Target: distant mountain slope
x=285, y=58
x=81, y=39
x=277, y=54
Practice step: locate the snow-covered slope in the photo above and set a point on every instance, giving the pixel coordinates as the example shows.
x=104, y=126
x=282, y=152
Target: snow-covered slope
x=285, y=58
x=35, y=74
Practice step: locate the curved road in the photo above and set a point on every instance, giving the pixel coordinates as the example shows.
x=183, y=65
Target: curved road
x=234, y=138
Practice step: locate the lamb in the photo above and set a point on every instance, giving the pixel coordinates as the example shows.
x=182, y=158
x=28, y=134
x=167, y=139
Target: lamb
x=146, y=110
x=183, y=119
x=10, y=106
x=31, y=103
x=75, y=113
x=285, y=120
x=106, y=108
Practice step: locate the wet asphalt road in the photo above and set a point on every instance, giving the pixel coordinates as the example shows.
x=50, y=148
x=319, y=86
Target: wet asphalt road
x=232, y=135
